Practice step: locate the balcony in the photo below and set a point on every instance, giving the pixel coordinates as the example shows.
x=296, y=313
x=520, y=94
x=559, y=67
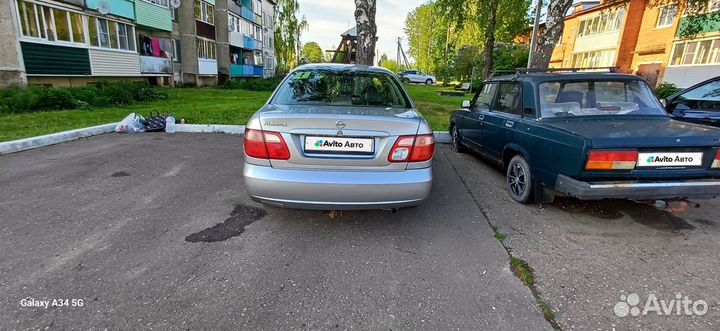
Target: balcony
x=150, y=65
x=248, y=14
x=237, y=39
x=241, y=70
x=250, y=43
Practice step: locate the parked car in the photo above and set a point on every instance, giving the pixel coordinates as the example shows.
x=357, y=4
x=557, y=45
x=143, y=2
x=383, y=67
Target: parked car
x=588, y=136
x=697, y=104
x=336, y=137
x=417, y=76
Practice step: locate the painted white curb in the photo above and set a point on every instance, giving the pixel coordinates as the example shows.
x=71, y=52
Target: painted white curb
x=54, y=138
x=440, y=136
x=210, y=128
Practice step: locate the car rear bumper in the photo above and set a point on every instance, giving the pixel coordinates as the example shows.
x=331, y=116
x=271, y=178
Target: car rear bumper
x=337, y=190
x=695, y=189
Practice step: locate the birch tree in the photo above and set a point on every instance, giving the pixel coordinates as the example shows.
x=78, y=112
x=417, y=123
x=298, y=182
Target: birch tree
x=366, y=31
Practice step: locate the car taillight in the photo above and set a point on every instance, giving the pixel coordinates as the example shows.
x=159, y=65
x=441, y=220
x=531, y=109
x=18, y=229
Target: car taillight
x=413, y=149
x=612, y=160
x=265, y=145
x=716, y=163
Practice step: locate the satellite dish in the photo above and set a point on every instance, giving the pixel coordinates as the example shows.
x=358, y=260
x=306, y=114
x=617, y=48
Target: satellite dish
x=103, y=7
x=175, y=3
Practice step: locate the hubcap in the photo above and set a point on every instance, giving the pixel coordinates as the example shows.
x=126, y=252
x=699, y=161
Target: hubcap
x=517, y=179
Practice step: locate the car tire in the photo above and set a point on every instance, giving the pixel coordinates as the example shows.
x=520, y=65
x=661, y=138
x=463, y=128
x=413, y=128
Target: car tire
x=519, y=181
x=455, y=143
x=428, y=82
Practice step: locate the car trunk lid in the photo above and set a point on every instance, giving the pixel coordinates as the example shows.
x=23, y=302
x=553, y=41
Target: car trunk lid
x=339, y=138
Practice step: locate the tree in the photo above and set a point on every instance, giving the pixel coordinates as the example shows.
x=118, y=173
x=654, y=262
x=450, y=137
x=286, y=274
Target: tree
x=366, y=31
x=312, y=52
x=388, y=64
x=288, y=29
x=487, y=20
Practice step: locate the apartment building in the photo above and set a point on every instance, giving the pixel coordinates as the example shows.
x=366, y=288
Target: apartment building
x=638, y=37
x=164, y=42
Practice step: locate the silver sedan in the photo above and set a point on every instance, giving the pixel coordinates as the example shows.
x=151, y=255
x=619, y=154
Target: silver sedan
x=336, y=137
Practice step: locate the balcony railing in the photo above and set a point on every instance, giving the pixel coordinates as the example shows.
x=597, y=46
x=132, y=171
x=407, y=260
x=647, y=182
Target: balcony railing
x=244, y=70
x=155, y=65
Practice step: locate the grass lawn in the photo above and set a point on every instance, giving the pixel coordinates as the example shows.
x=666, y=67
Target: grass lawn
x=196, y=106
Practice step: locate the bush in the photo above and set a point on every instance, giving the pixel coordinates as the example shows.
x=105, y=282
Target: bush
x=15, y=99
x=257, y=85
x=665, y=90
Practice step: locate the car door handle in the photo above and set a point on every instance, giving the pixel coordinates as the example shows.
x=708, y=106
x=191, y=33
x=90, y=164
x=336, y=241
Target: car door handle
x=509, y=124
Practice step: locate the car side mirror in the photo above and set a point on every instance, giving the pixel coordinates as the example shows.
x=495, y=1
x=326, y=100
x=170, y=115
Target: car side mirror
x=663, y=102
x=466, y=104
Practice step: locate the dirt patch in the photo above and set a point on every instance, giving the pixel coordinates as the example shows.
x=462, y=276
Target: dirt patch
x=233, y=226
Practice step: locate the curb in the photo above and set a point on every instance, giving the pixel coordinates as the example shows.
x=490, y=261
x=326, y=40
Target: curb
x=54, y=138
x=210, y=128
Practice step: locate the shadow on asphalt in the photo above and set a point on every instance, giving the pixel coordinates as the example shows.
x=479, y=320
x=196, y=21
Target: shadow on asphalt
x=614, y=209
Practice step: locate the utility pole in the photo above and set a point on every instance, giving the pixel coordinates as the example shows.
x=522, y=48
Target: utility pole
x=535, y=33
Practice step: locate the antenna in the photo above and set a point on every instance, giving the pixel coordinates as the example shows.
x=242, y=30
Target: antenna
x=175, y=3
x=103, y=7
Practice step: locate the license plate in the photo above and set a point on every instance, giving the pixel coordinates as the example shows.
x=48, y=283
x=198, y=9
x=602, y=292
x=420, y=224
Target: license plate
x=670, y=159
x=338, y=145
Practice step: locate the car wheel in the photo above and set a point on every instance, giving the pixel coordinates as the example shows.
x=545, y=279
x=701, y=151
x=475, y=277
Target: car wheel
x=455, y=140
x=428, y=82
x=519, y=180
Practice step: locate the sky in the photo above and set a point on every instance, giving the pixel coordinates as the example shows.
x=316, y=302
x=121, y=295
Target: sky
x=329, y=18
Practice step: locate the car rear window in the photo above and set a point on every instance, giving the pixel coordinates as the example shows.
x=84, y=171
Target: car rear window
x=341, y=88
x=598, y=98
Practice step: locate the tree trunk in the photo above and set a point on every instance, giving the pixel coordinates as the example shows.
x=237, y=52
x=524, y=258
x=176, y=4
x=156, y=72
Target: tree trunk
x=366, y=31
x=489, y=45
x=554, y=26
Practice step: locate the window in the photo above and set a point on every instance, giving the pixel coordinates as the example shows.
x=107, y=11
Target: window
x=28, y=19
x=605, y=22
x=111, y=34
x=204, y=12
x=104, y=33
x=598, y=98
x=257, y=8
x=62, y=24
x=78, y=28
x=206, y=49
x=594, y=59
x=508, y=99
x=666, y=16
x=485, y=96
x=696, y=52
x=162, y=3
x=333, y=88
x=714, y=5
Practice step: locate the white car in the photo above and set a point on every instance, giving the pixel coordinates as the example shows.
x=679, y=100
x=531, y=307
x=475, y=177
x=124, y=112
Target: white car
x=417, y=76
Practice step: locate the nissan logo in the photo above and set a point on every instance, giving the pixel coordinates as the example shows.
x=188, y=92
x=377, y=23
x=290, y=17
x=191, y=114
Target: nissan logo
x=340, y=124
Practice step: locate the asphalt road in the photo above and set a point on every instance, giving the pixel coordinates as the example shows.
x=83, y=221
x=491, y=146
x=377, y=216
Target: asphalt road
x=587, y=255
x=155, y=231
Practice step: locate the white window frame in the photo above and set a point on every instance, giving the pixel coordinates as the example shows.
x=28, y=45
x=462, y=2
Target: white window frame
x=610, y=23
x=662, y=16
x=203, y=49
x=204, y=9
x=712, y=55
x=159, y=3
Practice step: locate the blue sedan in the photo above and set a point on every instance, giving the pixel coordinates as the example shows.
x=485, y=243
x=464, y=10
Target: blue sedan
x=586, y=135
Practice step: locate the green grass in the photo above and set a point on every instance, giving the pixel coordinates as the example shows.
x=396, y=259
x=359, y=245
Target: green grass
x=196, y=106
x=522, y=270
x=436, y=109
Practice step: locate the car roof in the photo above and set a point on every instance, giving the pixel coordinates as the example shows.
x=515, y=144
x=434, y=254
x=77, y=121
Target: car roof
x=547, y=77
x=342, y=68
